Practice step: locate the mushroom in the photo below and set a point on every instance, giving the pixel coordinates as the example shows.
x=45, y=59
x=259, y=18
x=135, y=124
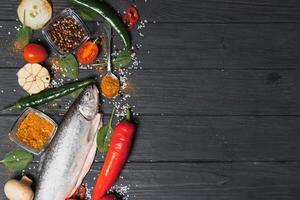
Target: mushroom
x=19, y=190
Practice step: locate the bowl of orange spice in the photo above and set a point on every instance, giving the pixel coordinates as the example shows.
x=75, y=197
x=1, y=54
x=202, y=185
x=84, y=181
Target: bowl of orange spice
x=33, y=131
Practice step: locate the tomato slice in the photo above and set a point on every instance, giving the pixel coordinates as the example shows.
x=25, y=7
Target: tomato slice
x=87, y=52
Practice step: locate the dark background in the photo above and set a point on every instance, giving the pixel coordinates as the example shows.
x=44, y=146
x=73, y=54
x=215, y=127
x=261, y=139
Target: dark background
x=218, y=98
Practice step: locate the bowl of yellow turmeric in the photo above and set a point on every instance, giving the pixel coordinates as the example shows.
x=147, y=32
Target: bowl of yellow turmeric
x=33, y=131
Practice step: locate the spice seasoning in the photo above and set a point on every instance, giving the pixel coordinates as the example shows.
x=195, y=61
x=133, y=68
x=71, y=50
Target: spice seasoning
x=66, y=33
x=34, y=131
x=110, y=86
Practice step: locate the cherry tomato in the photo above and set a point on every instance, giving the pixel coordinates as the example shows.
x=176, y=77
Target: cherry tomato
x=109, y=197
x=87, y=52
x=35, y=53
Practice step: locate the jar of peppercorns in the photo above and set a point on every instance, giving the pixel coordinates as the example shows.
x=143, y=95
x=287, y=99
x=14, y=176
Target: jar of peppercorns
x=66, y=32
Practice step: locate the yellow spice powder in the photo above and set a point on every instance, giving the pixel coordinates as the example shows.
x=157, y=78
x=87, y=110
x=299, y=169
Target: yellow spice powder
x=34, y=131
x=110, y=86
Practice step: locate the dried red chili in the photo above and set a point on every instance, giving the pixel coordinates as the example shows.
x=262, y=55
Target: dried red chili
x=132, y=14
x=131, y=17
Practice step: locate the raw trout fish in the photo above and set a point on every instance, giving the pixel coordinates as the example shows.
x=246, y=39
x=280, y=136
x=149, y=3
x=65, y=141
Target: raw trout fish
x=71, y=152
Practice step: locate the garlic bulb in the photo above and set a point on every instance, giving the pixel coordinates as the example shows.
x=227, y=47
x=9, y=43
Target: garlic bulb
x=33, y=78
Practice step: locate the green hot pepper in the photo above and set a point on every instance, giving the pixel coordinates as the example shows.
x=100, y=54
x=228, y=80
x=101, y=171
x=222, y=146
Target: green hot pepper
x=109, y=14
x=49, y=95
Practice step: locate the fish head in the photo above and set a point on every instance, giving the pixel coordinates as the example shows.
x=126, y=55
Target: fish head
x=89, y=102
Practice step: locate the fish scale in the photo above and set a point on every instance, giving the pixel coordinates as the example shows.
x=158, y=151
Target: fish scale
x=71, y=153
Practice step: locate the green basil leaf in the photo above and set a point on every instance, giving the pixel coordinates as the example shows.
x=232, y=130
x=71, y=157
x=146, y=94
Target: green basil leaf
x=69, y=66
x=17, y=160
x=105, y=134
x=104, y=138
x=24, y=36
x=88, y=14
x=122, y=59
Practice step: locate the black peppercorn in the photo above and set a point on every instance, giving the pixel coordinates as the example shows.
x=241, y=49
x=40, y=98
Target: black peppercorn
x=66, y=33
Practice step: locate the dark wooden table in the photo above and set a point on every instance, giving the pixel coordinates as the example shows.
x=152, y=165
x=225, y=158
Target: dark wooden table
x=218, y=97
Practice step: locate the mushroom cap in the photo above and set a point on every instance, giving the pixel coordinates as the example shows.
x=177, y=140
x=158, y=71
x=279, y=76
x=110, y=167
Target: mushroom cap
x=14, y=190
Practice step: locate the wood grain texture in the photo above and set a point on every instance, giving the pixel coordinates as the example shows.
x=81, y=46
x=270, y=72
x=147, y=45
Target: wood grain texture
x=218, y=99
x=194, y=92
x=198, y=46
x=196, y=138
x=191, y=11
x=263, y=181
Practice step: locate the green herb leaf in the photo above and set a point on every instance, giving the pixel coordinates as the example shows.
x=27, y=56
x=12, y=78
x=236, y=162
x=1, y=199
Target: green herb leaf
x=24, y=35
x=122, y=59
x=17, y=160
x=128, y=115
x=88, y=14
x=69, y=66
x=119, y=60
x=105, y=134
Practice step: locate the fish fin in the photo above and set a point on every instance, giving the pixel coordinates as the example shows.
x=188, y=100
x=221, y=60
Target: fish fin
x=97, y=121
x=91, y=155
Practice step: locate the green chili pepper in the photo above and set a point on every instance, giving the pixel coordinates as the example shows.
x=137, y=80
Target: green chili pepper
x=109, y=14
x=48, y=95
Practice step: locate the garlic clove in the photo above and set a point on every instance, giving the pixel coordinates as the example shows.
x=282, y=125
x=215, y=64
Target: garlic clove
x=28, y=68
x=27, y=86
x=31, y=78
x=40, y=84
x=21, y=81
x=36, y=68
x=23, y=73
x=34, y=88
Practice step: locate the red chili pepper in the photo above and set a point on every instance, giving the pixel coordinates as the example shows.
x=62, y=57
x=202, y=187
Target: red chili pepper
x=109, y=197
x=116, y=157
x=131, y=17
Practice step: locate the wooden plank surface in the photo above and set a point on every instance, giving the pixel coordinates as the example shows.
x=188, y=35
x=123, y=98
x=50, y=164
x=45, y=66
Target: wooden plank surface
x=199, y=46
x=147, y=181
x=218, y=97
x=191, y=11
x=200, y=138
x=195, y=92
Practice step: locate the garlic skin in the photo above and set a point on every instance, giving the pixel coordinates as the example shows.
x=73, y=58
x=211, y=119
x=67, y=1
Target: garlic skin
x=37, y=13
x=33, y=78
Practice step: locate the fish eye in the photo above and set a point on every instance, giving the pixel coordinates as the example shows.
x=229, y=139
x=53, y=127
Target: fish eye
x=87, y=94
